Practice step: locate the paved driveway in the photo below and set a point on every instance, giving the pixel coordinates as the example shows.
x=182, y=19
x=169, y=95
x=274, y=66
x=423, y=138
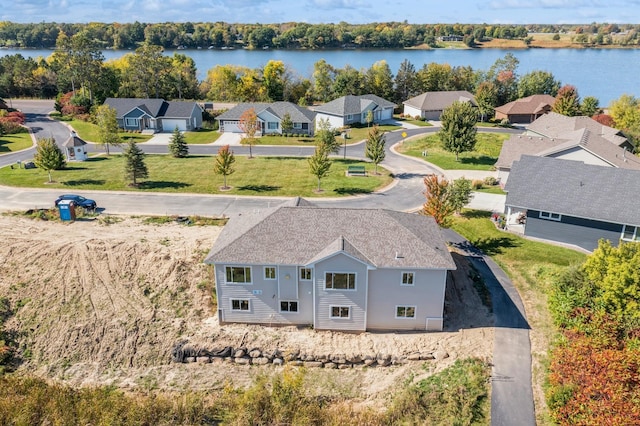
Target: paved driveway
x=228, y=138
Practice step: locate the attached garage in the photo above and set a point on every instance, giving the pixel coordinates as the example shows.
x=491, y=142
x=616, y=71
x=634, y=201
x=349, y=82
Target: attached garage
x=169, y=125
x=230, y=126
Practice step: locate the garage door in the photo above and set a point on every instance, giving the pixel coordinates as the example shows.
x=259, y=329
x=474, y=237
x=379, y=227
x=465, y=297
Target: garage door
x=170, y=125
x=231, y=126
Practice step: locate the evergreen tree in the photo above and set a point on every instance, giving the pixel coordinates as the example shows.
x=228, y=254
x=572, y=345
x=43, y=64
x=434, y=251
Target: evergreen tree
x=319, y=164
x=48, y=156
x=374, y=148
x=590, y=106
x=286, y=124
x=134, y=166
x=458, y=132
x=107, y=123
x=177, y=146
x=224, y=164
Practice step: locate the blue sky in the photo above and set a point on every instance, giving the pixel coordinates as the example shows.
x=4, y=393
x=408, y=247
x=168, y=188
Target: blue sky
x=323, y=11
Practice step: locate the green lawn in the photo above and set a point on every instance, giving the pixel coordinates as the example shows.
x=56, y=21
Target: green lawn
x=201, y=136
x=89, y=132
x=483, y=157
x=355, y=135
x=15, y=142
x=274, y=176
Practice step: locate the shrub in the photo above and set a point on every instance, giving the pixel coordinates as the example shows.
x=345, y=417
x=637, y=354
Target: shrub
x=477, y=184
x=10, y=127
x=491, y=181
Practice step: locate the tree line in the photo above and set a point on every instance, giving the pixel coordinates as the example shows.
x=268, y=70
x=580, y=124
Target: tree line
x=294, y=35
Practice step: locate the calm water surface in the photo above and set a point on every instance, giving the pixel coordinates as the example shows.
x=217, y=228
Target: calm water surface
x=603, y=73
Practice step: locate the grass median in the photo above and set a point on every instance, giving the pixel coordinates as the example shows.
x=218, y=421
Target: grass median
x=270, y=176
x=15, y=142
x=483, y=157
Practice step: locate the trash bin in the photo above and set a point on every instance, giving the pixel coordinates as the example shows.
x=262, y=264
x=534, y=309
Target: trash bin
x=67, y=209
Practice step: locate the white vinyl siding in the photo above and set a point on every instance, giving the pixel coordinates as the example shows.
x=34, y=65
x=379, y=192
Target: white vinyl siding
x=550, y=216
x=238, y=274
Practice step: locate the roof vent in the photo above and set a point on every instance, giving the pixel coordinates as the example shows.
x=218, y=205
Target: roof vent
x=399, y=256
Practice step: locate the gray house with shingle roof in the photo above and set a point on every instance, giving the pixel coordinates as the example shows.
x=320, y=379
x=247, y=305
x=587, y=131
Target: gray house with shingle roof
x=572, y=202
x=352, y=109
x=334, y=269
x=430, y=105
x=270, y=117
x=156, y=115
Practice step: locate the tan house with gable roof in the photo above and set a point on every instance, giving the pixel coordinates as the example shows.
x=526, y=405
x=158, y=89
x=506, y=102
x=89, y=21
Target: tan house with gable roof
x=525, y=110
x=430, y=105
x=332, y=268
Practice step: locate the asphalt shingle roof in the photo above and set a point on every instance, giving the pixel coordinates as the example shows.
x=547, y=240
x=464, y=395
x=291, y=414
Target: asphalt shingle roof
x=518, y=145
x=352, y=105
x=154, y=107
x=300, y=235
x=437, y=101
x=554, y=125
x=534, y=104
x=576, y=189
x=279, y=109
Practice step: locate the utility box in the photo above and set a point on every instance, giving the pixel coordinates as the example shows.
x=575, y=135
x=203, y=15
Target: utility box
x=67, y=209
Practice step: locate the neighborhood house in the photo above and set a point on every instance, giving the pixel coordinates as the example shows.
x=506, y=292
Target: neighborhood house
x=156, y=115
x=572, y=202
x=332, y=268
x=352, y=109
x=525, y=110
x=270, y=116
x=430, y=105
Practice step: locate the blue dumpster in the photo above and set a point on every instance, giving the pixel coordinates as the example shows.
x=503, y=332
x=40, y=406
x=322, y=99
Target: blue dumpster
x=67, y=209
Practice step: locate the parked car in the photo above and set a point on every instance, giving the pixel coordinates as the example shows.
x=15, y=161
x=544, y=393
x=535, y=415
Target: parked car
x=79, y=200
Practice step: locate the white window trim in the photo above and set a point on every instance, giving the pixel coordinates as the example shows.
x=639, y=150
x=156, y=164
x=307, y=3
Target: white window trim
x=297, y=125
x=305, y=279
x=415, y=312
x=355, y=281
x=238, y=283
x=264, y=273
x=636, y=233
x=240, y=300
x=413, y=279
x=339, y=306
x=289, y=312
x=131, y=122
x=273, y=125
x=550, y=216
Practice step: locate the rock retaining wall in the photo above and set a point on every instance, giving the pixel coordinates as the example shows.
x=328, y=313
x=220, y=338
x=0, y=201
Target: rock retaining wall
x=183, y=353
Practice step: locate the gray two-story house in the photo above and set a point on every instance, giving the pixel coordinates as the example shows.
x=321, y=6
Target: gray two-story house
x=332, y=268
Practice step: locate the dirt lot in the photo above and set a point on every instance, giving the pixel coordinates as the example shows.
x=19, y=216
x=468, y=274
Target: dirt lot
x=105, y=304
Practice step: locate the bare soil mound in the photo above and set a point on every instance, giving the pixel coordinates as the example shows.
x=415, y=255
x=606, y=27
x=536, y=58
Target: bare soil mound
x=106, y=304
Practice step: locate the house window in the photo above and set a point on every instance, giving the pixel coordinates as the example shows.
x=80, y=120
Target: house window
x=340, y=311
x=550, y=216
x=239, y=304
x=269, y=272
x=305, y=274
x=349, y=117
x=297, y=125
x=630, y=233
x=272, y=125
x=131, y=122
x=407, y=278
x=239, y=274
x=288, y=306
x=340, y=280
x=405, y=311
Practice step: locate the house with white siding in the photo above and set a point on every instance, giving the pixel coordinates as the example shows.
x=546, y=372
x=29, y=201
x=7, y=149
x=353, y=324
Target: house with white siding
x=351, y=109
x=332, y=268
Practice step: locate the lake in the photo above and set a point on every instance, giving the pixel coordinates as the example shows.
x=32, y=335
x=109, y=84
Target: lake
x=603, y=73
